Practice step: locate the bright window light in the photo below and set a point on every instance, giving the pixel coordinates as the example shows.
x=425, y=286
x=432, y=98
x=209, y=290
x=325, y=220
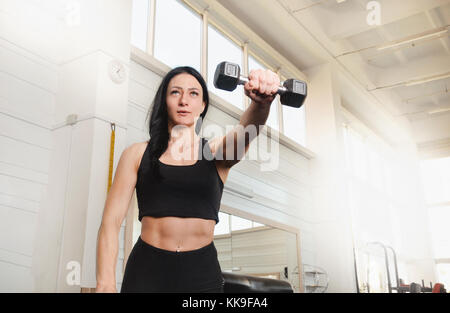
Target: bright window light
x=223, y=227
x=239, y=223
x=439, y=218
x=436, y=180
x=220, y=49
x=177, y=34
x=375, y=168
x=139, y=21
x=443, y=271
x=294, y=123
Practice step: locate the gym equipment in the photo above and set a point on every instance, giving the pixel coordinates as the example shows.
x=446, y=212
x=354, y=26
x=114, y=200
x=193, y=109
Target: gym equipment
x=228, y=77
x=315, y=279
x=415, y=288
x=401, y=287
x=238, y=283
x=390, y=288
x=439, y=288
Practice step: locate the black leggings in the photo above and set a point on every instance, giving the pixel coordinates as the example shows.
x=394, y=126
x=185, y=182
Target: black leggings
x=151, y=269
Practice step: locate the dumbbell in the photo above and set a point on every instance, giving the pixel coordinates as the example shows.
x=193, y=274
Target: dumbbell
x=228, y=76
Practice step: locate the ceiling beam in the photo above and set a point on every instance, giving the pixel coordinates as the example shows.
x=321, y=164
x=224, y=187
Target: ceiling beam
x=354, y=23
x=435, y=22
x=399, y=76
x=387, y=37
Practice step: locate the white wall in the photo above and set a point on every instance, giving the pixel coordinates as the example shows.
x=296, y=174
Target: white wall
x=41, y=51
x=28, y=84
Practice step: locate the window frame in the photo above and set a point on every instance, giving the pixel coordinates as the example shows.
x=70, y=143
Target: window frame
x=247, y=51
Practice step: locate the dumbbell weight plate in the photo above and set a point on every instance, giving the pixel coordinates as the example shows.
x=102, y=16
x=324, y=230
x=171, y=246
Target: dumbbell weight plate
x=296, y=94
x=227, y=76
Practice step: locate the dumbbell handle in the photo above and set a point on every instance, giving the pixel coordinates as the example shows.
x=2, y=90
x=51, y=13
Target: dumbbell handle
x=228, y=76
x=243, y=80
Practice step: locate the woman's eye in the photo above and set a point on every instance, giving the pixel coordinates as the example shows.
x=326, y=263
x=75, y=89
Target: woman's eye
x=176, y=91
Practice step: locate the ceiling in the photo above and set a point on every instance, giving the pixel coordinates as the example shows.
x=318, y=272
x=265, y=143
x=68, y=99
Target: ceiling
x=404, y=62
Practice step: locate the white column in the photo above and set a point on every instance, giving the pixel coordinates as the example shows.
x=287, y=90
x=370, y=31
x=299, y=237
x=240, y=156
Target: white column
x=97, y=32
x=333, y=228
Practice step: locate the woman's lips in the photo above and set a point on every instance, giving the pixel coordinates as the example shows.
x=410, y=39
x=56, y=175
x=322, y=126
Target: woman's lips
x=183, y=113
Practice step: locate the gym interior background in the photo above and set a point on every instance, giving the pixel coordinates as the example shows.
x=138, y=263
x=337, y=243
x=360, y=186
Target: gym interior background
x=363, y=167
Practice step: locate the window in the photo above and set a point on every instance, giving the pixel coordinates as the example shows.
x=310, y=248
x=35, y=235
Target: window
x=177, y=34
x=222, y=49
x=370, y=188
x=238, y=223
x=223, y=227
x=436, y=180
x=375, y=168
x=256, y=224
x=388, y=174
x=294, y=123
x=357, y=155
x=440, y=232
x=436, y=183
x=272, y=120
x=443, y=271
x=139, y=23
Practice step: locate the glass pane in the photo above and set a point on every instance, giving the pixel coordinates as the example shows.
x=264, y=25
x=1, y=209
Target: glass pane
x=294, y=123
x=177, y=34
x=443, y=271
x=359, y=157
x=139, y=21
x=375, y=168
x=256, y=224
x=222, y=49
x=387, y=170
x=440, y=232
x=436, y=179
x=223, y=227
x=238, y=223
x=272, y=120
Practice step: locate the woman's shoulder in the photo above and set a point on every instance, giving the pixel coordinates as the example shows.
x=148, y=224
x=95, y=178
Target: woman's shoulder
x=137, y=148
x=136, y=151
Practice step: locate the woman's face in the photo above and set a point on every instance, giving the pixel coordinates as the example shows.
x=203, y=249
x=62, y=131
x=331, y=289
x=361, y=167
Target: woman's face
x=184, y=100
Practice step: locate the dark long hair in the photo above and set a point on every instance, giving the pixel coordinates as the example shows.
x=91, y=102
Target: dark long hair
x=158, y=126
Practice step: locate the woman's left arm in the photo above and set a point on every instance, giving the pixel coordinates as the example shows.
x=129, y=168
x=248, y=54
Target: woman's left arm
x=261, y=89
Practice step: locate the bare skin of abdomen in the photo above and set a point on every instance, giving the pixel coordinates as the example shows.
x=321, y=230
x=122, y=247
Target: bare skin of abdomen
x=177, y=233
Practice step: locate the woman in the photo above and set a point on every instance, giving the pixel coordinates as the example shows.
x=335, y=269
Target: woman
x=179, y=179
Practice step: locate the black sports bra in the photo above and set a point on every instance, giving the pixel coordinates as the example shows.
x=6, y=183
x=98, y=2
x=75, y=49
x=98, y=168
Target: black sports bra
x=184, y=190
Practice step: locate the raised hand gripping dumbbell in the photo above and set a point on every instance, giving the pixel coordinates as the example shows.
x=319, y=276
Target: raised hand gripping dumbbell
x=228, y=77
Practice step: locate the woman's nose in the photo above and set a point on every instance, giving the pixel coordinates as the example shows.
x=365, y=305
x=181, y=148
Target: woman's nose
x=184, y=98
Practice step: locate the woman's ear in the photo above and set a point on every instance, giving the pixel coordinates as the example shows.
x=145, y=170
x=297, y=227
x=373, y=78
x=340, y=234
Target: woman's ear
x=204, y=106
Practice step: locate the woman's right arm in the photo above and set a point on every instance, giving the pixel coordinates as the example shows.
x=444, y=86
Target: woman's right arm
x=115, y=210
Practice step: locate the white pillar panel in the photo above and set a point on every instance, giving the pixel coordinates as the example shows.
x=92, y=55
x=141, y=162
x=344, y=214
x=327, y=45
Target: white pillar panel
x=94, y=33
x=332, y=219
x=98, y=178
x=76, y=200
x=93, y=25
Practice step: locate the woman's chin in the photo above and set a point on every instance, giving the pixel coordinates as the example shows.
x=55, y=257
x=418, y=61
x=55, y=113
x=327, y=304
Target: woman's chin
x=182, y=122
